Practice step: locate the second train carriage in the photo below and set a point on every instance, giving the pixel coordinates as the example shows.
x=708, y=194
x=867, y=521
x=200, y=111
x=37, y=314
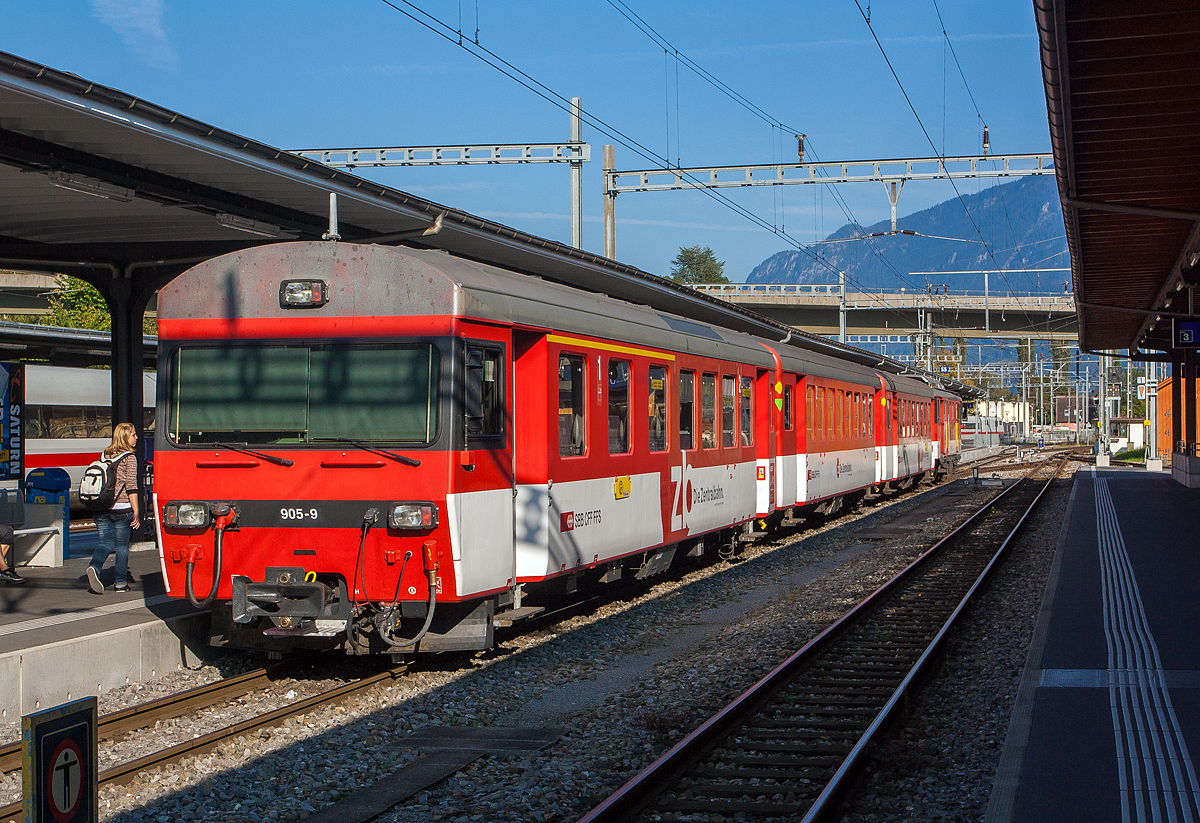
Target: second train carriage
x=384, y=447
x=68, y=417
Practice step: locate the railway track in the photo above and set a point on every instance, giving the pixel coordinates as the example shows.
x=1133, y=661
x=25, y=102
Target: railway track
x=789, y=746
x=145, y=715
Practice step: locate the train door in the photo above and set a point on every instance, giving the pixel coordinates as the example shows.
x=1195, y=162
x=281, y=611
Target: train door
x=535, y=393
x=479, y=507
x=790, y=443
x=766, y=426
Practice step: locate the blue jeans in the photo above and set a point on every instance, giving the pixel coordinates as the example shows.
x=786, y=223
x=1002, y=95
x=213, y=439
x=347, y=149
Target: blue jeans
x=113, y=529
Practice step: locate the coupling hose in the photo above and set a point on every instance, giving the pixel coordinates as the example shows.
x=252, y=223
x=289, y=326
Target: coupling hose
x=408, y=644
x=216, y=581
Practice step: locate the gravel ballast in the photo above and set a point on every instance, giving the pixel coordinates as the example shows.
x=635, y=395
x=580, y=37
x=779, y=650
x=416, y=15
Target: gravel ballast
x=622, y=685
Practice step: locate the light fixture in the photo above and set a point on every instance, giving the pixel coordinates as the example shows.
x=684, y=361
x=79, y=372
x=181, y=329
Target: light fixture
x=233, y=221
x=88, y=185
x=303, y=294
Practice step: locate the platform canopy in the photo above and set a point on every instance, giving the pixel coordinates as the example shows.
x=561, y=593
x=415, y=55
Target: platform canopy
x=126, y=194
x=1123, y=95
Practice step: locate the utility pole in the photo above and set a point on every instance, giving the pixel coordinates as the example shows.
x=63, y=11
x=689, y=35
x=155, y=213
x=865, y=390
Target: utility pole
x=577, y=175
x=610, y=206
x=841, y=307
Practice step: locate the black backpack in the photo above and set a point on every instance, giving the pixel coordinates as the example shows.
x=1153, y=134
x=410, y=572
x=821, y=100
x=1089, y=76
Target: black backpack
x=98, y=488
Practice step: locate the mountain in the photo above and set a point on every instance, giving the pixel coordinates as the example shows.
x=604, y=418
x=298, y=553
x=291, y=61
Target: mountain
x=1021, y=221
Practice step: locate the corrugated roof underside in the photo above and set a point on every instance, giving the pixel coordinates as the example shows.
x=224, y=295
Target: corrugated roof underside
x=1131, y=72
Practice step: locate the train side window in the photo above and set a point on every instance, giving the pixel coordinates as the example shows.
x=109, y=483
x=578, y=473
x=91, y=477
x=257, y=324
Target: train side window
x=856, y=417
x=485, y=392
x=708, y=411
x=839, y=412
x=787, y=408
x=619, y=373
x=747, y=411
x=687, y=410
x=657, y=439
x=572, y=406
x=830, y=415
x=728, y=411
x=820, y=398
x=809, y=421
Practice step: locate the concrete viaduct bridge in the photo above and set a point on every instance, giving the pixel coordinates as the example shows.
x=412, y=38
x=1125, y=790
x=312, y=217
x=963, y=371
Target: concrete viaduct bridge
x=817, y=308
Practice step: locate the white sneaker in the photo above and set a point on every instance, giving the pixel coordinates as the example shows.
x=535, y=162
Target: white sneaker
x=94, y=581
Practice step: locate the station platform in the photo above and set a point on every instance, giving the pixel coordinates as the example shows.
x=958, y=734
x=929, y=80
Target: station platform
x=1106, y=725
x=59, y=641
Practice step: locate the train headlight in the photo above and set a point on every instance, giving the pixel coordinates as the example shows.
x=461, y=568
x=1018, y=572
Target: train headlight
x=303, y=294
x=186, y=515
x=412, y=516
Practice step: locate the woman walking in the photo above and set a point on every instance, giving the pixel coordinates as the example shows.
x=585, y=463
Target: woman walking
x=114, y=525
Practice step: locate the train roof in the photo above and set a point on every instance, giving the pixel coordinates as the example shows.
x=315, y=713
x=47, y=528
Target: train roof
x=64, y=386
x=376, y=280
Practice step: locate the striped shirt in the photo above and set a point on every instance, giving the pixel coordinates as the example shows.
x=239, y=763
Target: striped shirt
x=127, y=477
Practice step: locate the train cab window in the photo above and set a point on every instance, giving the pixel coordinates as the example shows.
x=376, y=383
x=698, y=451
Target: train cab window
x=657, y=439
x=572, y=405
x=787, y=408
x=708, y=411
x=256, y=394
x=747, y=411
x=728, y=411
x=619, y=373
x=687, y=410
x=485, y=392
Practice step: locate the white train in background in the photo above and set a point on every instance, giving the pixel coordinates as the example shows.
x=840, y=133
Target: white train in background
x=68, y=416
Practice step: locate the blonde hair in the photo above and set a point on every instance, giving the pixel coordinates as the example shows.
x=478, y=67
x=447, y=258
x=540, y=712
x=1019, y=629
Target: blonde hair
x=122, y=440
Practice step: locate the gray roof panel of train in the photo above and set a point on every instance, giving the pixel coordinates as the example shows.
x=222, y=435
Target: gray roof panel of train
x=424, y=282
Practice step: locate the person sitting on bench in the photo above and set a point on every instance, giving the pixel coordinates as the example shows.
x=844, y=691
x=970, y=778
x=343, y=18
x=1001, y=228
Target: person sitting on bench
x=7, y=539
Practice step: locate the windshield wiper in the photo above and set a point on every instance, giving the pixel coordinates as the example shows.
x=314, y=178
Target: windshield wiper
x=399, y=458
x=270, y=458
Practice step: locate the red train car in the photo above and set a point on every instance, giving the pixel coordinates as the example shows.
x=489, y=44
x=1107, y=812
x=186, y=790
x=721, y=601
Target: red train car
x=386, y=449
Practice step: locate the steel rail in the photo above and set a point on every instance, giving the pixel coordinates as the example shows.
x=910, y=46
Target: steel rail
x=673, y=764
x=174, y=705
x=823, y=807
x=124, y=772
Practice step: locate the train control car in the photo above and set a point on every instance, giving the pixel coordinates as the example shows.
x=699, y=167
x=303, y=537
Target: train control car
x=388, y=449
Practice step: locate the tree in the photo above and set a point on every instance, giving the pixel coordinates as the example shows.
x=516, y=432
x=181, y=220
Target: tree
x=697, y=264
x=77, y=304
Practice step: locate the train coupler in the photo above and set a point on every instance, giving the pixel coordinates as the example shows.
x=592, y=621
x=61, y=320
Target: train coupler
x=288, y=599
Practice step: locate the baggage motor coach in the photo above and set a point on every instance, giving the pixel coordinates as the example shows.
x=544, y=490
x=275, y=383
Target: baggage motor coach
x=390, y=449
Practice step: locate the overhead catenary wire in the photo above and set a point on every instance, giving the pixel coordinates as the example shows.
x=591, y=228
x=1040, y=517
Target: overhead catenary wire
x=658, y=39
x=485, y=55
x=932, y=145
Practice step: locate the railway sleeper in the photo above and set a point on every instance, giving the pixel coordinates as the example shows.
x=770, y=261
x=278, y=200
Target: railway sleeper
x=829, y=732
x=791, y=791
x=772, y=809
x=816, y=715
x=740, y=773
x=828, y=750
x=832, y=695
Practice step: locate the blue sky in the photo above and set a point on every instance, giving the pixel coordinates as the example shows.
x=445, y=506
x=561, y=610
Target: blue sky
x=358, y=73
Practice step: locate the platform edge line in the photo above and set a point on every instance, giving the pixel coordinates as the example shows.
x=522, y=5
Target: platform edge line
x=1002, y=802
